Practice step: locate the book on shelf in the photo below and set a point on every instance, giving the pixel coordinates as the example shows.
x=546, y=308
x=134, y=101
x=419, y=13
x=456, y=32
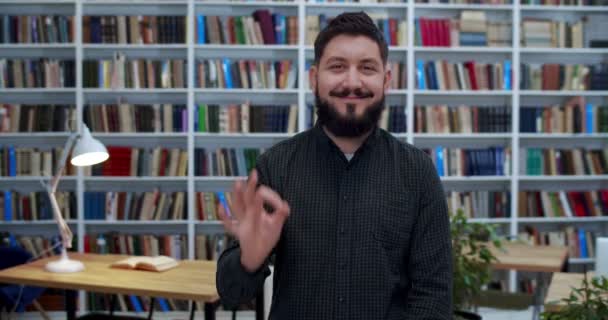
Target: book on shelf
x=225, y=161
x=547, y=33
x=157, y=263
x=580, y=242
x=246, y=74
x=469, y=75
x=394, y=30
x=553, y=161
x=462, y=119
x=566, y=2
x=36, y=29
x=120, y=73
x=31, y=162
x=553, y=76
x=470, y=29
x=125, y=161
x=35, y=206
x=261, y=28
x=37, y=73
x=570, y=203
x=492, y=161
x=245, y=118
x=480, y=204
x=573, y=116
x=133, y=206
x=36, y=118
x=467, y=1
x=157, y=29
x=126, y=117
x=170, y=245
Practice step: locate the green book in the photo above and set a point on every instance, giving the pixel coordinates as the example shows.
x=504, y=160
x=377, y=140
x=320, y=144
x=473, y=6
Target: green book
x=202, y=117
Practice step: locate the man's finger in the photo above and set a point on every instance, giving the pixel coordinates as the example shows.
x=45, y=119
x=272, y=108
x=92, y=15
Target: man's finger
x=229, y=224
x=270, y=197
x=238, y=205
x=280, y=214
x=252, y=184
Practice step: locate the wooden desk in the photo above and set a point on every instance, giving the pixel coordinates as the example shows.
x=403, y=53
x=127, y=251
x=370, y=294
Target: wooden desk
x=527, y=258
x=560, y=288
x=523, y=257
x=191, y=280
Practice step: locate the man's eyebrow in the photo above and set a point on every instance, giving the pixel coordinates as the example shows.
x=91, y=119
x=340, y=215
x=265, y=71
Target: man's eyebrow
x=334, y=58
x=365, y=60
x=370, y=60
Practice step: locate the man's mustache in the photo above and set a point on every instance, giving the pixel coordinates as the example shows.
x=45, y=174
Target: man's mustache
x=358, y=92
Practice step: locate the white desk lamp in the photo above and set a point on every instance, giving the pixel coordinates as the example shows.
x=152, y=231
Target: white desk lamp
x=87, y=152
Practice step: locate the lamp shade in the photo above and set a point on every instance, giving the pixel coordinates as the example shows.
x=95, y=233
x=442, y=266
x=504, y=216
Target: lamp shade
x=88, y=151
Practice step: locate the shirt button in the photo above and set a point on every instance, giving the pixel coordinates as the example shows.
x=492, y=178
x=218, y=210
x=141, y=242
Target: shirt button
x=342, y=231
x=345, y=198
x=340, y=299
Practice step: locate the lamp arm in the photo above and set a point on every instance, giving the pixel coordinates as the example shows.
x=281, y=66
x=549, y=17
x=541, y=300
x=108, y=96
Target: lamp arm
x=64, y=158
x=64, y=229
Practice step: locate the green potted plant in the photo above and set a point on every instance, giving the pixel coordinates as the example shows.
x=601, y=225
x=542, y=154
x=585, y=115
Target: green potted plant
x=472, y=259
x=589, y=302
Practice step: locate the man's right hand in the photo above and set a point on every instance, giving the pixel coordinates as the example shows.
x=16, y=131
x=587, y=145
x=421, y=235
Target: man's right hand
x=257, y=230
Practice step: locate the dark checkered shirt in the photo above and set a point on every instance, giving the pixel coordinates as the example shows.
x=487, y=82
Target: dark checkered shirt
x=366, y=238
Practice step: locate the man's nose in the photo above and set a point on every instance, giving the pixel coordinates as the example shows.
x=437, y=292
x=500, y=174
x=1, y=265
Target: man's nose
x=352, y=79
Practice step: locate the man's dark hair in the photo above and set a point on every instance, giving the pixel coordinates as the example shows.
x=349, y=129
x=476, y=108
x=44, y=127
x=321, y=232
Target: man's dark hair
x=353, y=24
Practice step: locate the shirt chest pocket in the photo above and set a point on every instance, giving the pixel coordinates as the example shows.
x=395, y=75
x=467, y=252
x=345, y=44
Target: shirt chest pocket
x=392, y=224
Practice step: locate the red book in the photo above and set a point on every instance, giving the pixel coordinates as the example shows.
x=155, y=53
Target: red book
x=265, y=20
x=164, y=154
x=447, y=32
x=470, y=66
x=424, y=32
x=231, y=30
x=576, y=204
x=87, y=245
x=392, y=28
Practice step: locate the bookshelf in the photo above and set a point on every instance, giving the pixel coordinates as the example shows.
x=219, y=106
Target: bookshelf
x=301, y=54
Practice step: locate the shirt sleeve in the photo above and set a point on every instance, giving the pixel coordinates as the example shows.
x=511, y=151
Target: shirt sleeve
x=235, y=285
x=430, y=260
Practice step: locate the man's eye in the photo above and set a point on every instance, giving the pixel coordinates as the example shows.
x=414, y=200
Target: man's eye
x=369, y=68
x=335, y=67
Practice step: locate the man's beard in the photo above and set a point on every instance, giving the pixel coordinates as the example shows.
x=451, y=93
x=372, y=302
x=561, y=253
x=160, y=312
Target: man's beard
x=350, y=125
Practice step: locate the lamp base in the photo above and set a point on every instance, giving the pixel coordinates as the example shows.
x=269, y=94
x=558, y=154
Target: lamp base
x=64, y=265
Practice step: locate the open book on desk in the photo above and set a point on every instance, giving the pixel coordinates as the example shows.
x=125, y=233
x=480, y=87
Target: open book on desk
x=158, y=263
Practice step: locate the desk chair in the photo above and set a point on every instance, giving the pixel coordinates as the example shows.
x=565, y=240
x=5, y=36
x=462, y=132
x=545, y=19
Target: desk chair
x=10, y=294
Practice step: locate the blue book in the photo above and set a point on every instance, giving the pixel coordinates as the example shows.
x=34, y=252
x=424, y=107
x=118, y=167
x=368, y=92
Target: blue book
x=135, y=303
x=590, y=117
x=12, y=162
x=164, y=306
x=227, y=73
x=279, y=28
x=582, y=239
x=100, y=74
x=6, y=28
x=387, y=32
x=8, y=208
x=420, y=74
x=440, y=159
x=224, y=203
x=433, y=84
x=200, y=24
x=507, y=75
x=417, y=35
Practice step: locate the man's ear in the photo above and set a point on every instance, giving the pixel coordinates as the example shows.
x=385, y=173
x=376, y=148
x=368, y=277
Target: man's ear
x=387, y=77
x=312, y=77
